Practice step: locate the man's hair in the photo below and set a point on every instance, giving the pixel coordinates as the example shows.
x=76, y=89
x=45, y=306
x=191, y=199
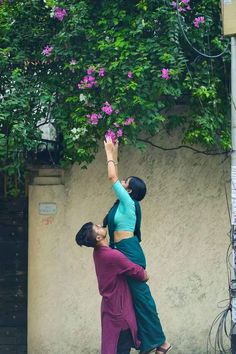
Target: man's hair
x=86, y=236
x=138, y=187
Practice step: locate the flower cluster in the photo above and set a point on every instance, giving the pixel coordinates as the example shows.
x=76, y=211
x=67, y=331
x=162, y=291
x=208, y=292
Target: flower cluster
x=93, y=118
x=130, y=74
x=129, y=121
x=47, y=51
x=78, y=132
x=198, y=20
x=112, y=135
x=101, y=72
x=73, y=62
x=119, y=133
x=183, y=5
x=59, y=13
x=107, y=108
x=87, y=82
x=165, y=74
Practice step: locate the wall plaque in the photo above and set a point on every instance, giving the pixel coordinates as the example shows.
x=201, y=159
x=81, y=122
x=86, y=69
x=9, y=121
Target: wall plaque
x=47, y=208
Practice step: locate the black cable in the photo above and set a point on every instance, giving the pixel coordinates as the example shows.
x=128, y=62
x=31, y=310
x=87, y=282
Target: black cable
x=220, y=321
x=210, y=153
x=221, y=332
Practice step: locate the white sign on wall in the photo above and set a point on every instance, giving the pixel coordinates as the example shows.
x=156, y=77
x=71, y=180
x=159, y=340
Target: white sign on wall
x=47, y=208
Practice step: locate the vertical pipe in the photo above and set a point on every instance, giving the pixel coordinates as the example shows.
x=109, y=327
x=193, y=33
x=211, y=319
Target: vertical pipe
x=233, y=192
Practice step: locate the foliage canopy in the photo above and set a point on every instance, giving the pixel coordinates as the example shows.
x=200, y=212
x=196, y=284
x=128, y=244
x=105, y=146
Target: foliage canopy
x=88, y=66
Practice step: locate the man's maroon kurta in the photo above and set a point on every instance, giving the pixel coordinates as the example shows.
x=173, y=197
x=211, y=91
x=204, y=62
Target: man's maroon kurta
x=117, y=311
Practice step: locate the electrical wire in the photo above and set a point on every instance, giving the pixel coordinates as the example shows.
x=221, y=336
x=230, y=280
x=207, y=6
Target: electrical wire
x=222, y=334
x=222, y=322
x=219, y=336
x=190, y=44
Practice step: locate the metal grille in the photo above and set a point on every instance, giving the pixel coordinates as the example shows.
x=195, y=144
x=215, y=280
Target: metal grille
x=13, y=275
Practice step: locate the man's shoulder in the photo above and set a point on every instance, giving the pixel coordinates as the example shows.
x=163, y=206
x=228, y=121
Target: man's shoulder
x=107, y=252
x=104, y=250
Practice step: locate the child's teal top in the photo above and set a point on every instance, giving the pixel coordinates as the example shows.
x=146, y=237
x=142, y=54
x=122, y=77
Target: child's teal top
x=125, y=216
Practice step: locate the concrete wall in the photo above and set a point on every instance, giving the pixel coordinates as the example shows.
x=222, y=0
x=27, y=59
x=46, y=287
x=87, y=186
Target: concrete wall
x=185, y=225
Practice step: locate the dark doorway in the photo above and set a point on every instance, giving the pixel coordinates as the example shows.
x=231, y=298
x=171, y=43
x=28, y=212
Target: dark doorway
x=13, y=274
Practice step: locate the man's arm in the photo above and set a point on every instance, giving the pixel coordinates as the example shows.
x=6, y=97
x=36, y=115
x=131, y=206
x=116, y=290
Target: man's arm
x=126, y=267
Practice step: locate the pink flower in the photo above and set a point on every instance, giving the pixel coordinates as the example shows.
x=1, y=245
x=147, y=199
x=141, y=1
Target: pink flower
x=93, y=118
x=165, y=74
x=101, y=72
x=89, y=78
x=89, y=71
x=130, y=74
x=129, y=121
x=47, y=51
x=198, y=20
x=87, y=82
x=116, y=125
x=59, y=13
x=183, y=5
x=110, y=134
x=119, y=133
x=107, y=108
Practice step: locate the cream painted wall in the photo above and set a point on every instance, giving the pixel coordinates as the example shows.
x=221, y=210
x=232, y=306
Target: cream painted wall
x=185, y=225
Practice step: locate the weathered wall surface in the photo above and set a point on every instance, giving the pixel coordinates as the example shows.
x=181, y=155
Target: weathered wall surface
x=185, y=225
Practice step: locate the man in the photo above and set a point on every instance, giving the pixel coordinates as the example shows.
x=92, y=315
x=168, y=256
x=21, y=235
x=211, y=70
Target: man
x=119, y=328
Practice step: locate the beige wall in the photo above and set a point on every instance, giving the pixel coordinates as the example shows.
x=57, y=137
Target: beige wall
x=185, y=225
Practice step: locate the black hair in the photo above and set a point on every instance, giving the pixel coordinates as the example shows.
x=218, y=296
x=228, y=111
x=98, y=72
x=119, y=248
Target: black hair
x=86, y=236
x=138, y=187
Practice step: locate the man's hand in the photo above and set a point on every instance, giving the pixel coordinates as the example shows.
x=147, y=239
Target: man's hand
x=146, y=276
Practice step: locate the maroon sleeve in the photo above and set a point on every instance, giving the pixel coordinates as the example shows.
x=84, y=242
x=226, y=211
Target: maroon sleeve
x=126, y=267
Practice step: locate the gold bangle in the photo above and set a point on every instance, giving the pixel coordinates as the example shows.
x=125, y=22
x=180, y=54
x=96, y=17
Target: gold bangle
x=115, y=163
